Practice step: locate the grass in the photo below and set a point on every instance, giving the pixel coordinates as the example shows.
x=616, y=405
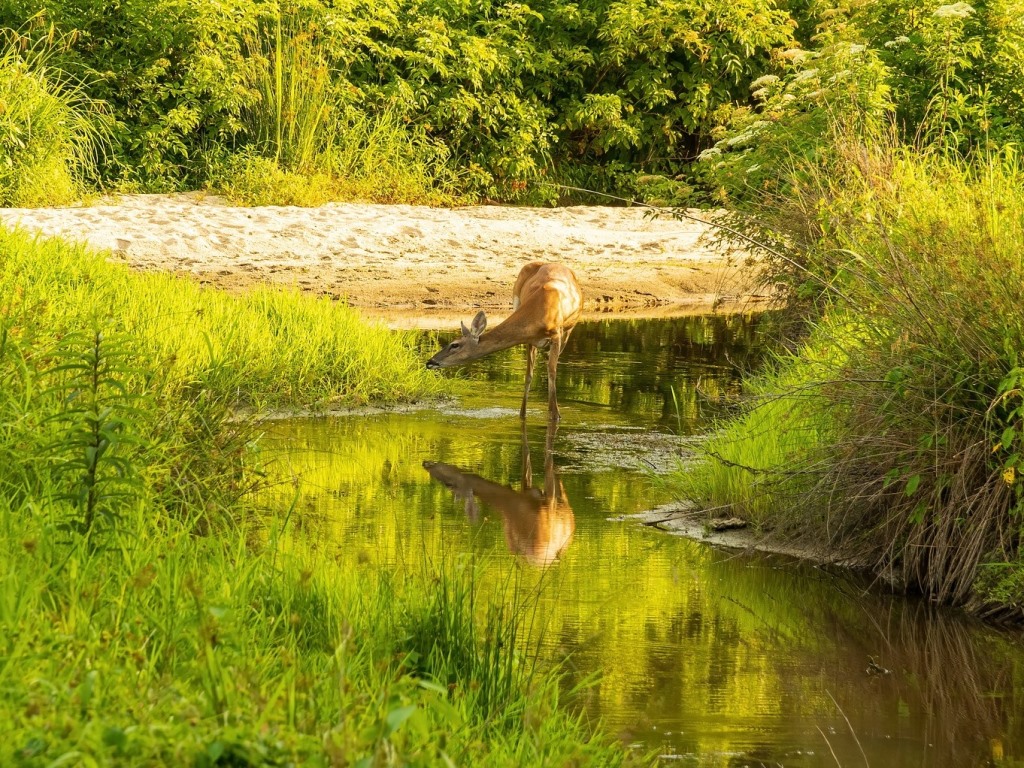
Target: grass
x=50, y=133
x=757, y=460
x=153, y=613
x=164, y=648
x=901, y=414
x=262, y=349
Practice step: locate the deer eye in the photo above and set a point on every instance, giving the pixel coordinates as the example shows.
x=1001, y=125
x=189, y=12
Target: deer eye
x=455, y=345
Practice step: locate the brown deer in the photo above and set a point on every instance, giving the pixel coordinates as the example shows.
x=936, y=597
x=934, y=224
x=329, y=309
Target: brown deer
x=546, y=304
x=538, y=525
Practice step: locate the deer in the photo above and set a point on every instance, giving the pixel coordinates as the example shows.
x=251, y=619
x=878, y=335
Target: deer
x=539, y=525
x=546, y=304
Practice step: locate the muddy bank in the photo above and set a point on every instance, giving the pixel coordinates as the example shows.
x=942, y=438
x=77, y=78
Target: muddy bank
x=416, y=259
x=680, y=520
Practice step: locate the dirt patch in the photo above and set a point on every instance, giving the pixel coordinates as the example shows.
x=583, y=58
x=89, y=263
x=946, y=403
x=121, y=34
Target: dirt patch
x=416, y=260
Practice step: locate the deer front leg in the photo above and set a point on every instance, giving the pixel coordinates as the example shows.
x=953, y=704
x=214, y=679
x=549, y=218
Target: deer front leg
x=553, y=352
x=531, y=360
x=527, y=465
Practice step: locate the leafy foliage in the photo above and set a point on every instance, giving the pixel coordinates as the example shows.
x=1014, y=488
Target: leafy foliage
x=516, y=92
x=942, y=76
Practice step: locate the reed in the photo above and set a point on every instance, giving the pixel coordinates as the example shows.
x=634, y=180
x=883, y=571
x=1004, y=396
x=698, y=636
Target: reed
x=309, y=145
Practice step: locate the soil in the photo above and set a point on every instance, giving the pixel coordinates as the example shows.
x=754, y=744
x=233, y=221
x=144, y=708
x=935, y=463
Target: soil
x=413, y=264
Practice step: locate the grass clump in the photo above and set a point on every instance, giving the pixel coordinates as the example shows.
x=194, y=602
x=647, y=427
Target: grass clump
x=308, y=145
x=126, y=388
x=909, y=432
x=263, y=349
x=50, y=132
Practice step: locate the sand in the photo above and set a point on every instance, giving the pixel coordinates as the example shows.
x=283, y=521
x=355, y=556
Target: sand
x=414, y=265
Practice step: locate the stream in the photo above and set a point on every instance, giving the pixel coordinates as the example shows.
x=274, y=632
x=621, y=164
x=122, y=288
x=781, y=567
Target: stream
x=710, y=657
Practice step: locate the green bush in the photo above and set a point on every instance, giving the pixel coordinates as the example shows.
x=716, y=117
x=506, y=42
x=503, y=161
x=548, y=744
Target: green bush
x=516, y=93
x=947, y=76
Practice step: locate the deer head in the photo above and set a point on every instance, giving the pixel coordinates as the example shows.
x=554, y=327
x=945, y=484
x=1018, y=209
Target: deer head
x=465, y=349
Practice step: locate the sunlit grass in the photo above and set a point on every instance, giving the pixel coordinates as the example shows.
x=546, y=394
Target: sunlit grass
x=49, y=131
x=183, y=650
x=155, y=612
x=898, y=428
x=309, y=146
x=262, y=349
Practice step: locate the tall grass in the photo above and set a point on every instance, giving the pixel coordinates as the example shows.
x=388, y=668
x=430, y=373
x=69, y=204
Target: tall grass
x=50, y=132
x=915, y=370
x=103, y=365
x=310, y=145
x=262, y=349
x=168, y=649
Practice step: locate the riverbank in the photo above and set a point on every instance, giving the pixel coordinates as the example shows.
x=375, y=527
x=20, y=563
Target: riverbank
x=411, y=259
x=201, y=621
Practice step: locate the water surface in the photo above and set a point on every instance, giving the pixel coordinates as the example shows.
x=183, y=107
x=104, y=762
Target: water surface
x=712, y=657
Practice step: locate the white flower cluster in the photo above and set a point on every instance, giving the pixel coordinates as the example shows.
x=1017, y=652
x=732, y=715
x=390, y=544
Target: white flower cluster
x=954, y=11
x=901, y=40
x=763, y=82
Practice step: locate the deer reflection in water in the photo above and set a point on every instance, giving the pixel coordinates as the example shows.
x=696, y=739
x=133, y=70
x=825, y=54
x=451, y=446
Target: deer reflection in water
x=538, y=525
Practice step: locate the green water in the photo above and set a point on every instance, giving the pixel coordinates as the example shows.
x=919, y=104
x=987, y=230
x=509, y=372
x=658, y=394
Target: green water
x=711, y=657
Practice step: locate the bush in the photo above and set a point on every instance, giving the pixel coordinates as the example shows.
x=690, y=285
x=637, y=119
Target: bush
x=517, y=94
x=946, y=76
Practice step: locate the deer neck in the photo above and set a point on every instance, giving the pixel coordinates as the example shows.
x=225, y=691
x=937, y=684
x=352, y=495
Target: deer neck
x=505, y=335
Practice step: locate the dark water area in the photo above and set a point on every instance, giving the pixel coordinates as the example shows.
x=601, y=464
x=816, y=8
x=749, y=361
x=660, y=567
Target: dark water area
x=710, y=657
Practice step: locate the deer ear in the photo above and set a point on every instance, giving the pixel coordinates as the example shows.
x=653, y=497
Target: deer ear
x=465, y=330
x=479, y=323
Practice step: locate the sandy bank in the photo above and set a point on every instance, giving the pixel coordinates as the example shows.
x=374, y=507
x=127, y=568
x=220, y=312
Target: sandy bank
x=409, y=261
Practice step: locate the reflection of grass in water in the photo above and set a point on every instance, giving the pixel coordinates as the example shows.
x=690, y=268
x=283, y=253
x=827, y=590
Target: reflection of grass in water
x=677, y=629
x=674, y=628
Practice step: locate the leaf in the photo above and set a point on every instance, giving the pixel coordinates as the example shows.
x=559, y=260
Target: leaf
x=917, y=516
x=1008, y=435
x=214, y=750
x=912, y=484
x=398, y=716
x=115, y=737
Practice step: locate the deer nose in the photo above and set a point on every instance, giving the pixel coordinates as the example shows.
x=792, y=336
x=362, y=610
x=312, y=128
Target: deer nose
x=432, y=365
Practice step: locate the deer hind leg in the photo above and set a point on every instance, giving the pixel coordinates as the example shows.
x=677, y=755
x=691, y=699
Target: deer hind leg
x=553, y=352
x=531, y=361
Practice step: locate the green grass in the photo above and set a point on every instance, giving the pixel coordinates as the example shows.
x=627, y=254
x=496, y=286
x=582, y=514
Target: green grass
x=50, y=132
x=153, y=611
x=164, y=648
x=754, y=464
x=262, y=349
x=309, y=145
x=896, y=431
